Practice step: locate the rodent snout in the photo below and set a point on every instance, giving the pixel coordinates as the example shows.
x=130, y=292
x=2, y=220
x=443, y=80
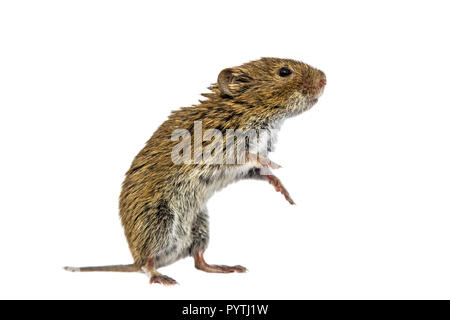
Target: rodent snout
x=323, y=82
x=323, y=79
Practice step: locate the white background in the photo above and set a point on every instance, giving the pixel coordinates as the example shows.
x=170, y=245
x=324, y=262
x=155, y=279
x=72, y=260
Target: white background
x=84, y=84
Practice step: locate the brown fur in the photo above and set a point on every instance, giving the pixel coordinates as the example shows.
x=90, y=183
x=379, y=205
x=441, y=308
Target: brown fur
x=158, y=196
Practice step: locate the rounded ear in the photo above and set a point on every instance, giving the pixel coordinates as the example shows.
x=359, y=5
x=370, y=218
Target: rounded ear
x=224, y=79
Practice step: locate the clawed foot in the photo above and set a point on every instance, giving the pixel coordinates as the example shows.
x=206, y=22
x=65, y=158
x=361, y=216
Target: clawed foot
x=263, y=162
x=273, y=180
x=162, y=279
x=212, y=268
x=266, y=163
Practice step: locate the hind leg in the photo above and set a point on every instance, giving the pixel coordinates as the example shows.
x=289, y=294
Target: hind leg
x=155, y=276
x=200, y=232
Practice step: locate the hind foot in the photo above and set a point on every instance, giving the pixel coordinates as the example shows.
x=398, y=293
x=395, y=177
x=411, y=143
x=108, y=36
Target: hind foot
x=162, y=279
x=201, y=264
x=155, y=276
x=213, y=268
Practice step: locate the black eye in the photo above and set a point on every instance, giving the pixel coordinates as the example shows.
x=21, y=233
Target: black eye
x=284, y=72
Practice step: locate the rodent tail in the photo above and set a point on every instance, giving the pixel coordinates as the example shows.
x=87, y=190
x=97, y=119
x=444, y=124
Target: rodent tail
x=115, y=268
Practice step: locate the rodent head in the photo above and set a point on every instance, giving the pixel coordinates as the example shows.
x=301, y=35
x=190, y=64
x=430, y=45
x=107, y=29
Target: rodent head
x=277, y=87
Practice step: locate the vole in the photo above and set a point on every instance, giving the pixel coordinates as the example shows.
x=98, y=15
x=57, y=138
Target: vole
x=163, y=200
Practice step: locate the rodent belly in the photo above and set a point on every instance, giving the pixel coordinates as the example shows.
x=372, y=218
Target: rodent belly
x=220, y=178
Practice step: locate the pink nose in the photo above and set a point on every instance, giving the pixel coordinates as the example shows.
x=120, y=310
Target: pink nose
x=323, y=82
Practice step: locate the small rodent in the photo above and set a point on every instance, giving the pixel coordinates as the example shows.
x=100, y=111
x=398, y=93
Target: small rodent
x=163, y=203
